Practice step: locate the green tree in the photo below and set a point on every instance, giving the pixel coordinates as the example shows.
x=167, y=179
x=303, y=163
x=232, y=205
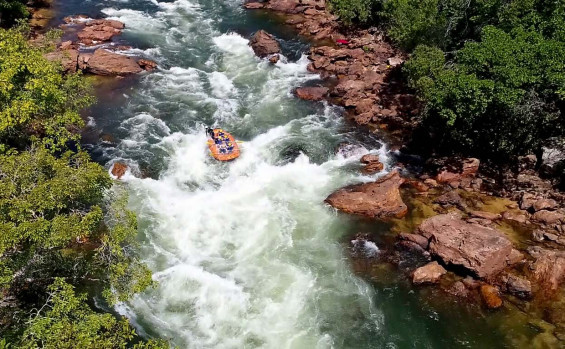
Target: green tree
x=353, y=10
x=66, y=321
x=11, y=11
x=36, y=100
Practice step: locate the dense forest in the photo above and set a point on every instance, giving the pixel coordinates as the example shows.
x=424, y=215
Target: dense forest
x=491, y=73
x=65, y=231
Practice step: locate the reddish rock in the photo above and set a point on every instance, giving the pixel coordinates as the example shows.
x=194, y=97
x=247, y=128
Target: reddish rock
x=104, y=62
x=428, y=274
x=548, y=269
x=311, y=93
x=274, y=59
x=468, y=168
x=287, y=6
x=100, y=31
x=486, y=215
x=147, y=64
x=458, y=289
x=119, y=169
x=483, y=251
x=545, y=204
x=415, y=238
x=451, y=198
x=83, y=59
x=548, y=217
x=518, y=286
x=254, y=5
x=527, y=201
x=264, y=44
x=380, y=199
x=369, y=158
x=68, y=59
x=491, y=297
x=373, y=167
x=517, y=217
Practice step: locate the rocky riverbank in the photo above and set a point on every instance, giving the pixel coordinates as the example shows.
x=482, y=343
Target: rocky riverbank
x=485, y=237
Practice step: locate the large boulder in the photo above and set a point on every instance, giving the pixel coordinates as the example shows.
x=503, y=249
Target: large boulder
x=264, y=44
x=482, y=251
x=311, y=93
x=428, y=274
x=104, y=62
x=380, y=199
x=68, y=59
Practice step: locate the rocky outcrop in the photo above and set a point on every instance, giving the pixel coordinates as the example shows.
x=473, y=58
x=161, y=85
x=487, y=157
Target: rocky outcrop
x=459, y=174
x=548, y=268
x=67, y=57
x=380, y=199
x=481, y=251
x=428, y=274
x=99, y=30
x=264, y=44
x=311, y=93
x=104, y=62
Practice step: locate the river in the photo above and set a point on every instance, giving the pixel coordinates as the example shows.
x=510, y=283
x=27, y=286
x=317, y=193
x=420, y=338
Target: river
x=246, y=254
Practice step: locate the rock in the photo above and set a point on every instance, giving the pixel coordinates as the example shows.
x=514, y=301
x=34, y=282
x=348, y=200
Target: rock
x=311, y=93
x=548, y=269
x=415, y=238
x=491, y=296
x=274, y=59
x=519, y=287
x=468, y=168
x=373, y=167
x=550, y=236
x=369, y=158
x=287, y=6
x=373, y=164
x=76, y=19
x=68, y=59
x=99, y=31
x=471, y=283
x=264, y=44
x=394, y=61
x=254, y=5
x=347, y=150
x=451, y=198
x=552, y=157
x=515, y=257
x=419, y=186
x=458, y=289
x=428, y=274
x=431, y=182
x=482, y=251
x=516, y=217
x=527, y=201
x=548, y=217
x=104, y=62
x=119, y=169
x=486, y=215
x=545, y=204
x=380, y=199
x=65, y=45
x=537, y=235
x=147, y=64
x=83, y=59
x=106, y=23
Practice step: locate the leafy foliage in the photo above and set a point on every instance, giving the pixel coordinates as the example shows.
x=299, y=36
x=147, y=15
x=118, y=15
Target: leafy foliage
x=66, y=321
x=11, y=11
x=36, y=100
x=353, y=10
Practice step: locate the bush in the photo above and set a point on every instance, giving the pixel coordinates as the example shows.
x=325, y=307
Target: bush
x=353, y=10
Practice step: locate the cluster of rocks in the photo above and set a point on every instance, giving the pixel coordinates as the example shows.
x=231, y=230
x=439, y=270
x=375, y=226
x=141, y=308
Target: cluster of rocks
x=102, y=60
x=363, y=63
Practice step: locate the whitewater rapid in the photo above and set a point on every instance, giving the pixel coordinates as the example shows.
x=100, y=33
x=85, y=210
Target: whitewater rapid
x=246, y=254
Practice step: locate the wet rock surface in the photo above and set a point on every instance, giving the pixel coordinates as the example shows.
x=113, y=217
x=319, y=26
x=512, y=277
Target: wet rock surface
x=264, y=44
x=428, y=274
x=480, y=250
x=380, y=199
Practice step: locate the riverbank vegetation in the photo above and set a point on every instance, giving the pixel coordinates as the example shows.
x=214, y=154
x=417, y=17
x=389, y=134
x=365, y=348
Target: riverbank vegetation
x=65, y=232
x=491, y=74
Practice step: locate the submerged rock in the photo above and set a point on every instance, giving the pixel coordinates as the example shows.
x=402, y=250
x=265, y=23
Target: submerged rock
x=482, y=251
x=491, y=297
x=380, y=199
x=264, y=44
x=428, y=274
x=119, y=169
x=548, y=269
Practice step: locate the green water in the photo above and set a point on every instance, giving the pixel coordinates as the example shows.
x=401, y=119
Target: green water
x=246, y=254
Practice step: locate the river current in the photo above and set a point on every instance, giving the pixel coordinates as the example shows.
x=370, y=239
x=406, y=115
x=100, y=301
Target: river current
x=246, y=254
